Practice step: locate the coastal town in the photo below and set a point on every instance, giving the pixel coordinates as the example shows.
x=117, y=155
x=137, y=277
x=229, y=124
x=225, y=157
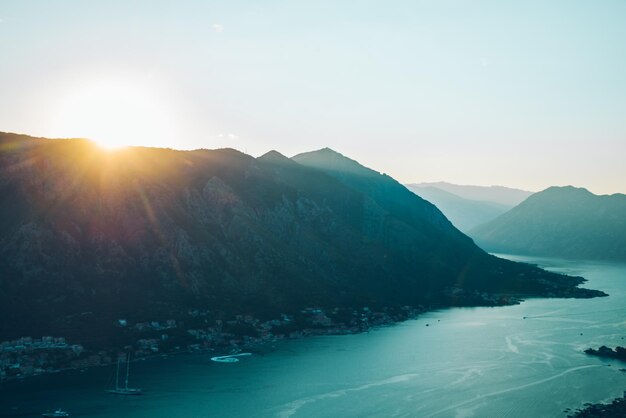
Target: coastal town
x=200, y=330
x=197, y=332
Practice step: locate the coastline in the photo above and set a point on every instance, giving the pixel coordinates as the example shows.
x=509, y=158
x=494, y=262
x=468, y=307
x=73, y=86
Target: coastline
x=156, y=373
x=615, y=409
x=223, y=345
x=154, y=339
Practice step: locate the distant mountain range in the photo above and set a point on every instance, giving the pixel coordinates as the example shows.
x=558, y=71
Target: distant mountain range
x=505, y=196
x=88, y=236
x=464, y=213
x=565, y=222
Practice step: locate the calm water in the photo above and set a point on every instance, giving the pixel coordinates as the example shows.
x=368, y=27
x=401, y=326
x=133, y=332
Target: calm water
x=482, y=362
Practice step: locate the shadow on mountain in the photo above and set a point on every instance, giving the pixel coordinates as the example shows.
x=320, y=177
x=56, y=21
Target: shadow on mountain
x=88, y=236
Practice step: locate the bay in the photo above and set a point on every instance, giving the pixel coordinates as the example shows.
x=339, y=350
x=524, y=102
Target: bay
x=514, y=361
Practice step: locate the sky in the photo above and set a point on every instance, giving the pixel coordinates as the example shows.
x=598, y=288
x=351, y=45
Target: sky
x=525, y=94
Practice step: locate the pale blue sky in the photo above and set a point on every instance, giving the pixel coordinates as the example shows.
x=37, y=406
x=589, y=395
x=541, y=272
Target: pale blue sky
x=520, y=93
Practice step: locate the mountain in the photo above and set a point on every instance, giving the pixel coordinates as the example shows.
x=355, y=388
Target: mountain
x=465, y=214
x=564, y=222
x=88, y=236
x=496, y=194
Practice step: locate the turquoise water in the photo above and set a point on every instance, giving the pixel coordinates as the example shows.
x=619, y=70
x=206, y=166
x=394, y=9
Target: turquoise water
x=470, y=362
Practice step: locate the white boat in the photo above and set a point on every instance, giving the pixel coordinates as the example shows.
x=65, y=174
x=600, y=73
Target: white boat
x=231, y=358
x=225, y=359
x=58, y=413
x=125, y=390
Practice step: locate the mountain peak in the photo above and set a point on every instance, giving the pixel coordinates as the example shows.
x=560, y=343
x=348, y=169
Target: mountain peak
x=330, y=151
x=563, y=194
x=274, y=157
x=325, y=152
x=329, y=159
x=567, y=189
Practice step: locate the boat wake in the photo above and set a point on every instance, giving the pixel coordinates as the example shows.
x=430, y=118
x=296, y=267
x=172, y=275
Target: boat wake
x=293, y=407
x=511, y=389
x=231, y=358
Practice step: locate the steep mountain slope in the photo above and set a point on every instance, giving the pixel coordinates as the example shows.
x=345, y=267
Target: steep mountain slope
x=88, y=236
x=455, y=250
x=497, y=194
x=465, y=214
x=563, y=222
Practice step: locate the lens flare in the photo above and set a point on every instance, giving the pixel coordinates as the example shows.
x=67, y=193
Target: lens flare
x=114, y=114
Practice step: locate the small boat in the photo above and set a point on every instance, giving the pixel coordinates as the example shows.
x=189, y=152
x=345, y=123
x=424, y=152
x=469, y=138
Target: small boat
x=58, y=413
x=225, y=359
x=231, y=358
x=125, y=390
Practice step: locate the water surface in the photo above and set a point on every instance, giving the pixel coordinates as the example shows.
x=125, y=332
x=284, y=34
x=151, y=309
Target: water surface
x=469, y=362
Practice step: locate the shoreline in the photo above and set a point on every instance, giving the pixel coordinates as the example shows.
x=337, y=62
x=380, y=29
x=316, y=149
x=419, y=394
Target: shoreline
x=245, y=332
x=373, y=320
x=224, y=350
x=267, y=346
x=615, y=409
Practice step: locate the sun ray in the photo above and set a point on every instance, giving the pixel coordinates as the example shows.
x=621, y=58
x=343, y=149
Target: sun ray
x=152, y=218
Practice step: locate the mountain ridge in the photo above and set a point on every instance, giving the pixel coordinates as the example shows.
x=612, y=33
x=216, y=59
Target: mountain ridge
x=141, y=233
x=503, y=195
x=464, y=213
x=563, y=221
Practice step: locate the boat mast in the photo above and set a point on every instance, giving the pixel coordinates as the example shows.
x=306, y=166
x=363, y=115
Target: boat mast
x=127, y=369
x=117, y=374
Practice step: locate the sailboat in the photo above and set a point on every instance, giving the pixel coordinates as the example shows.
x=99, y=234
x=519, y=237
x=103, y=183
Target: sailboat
x=123, y=390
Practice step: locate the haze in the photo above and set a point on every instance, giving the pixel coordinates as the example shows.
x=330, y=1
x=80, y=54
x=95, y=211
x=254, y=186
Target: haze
x=525, y=94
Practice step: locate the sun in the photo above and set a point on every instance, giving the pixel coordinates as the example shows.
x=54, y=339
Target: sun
x=115, y=113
